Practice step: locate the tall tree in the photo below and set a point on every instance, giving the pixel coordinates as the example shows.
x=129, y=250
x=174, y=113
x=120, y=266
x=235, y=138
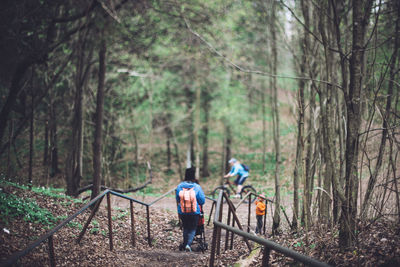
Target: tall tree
x=74, y=159
x=275, y=116
x=31, y=132
x=326, y=107
x=206, y=99
x=29, y=28
x=361, y=12
x=53, y=135
x=310, y=69
x=298, y=168
x=196, y=129
x=97, y=143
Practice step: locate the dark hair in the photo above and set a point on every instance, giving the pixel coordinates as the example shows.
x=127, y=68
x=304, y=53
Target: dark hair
x=190, y=174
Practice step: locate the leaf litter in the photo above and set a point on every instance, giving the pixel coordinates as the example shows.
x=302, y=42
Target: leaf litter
x=378, y=242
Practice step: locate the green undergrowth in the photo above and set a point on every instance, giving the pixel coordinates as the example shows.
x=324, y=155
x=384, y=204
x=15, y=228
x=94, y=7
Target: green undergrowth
x=13, y=206
x=45, y=191
x=121, y=214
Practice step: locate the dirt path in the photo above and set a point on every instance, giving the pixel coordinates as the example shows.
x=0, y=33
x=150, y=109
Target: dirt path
x=169, y=204
x=160, y=257
x=166, y=252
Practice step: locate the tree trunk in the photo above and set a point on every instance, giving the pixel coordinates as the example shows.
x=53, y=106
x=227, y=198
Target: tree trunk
x=206, y=110
x=319, y=145
x=151, y=103
x=196, y=130
x=14, y=91
x=99, y=119
x=326, y=103
x=264, y=127
x=347, y=229
x=226, y=152
x=74, y=160
x=337, y=8
x=190, y=110
x=168, y=149
x=178, y=161
x=275, y=120
x=10, y=138
x=53, y=138
x=310, y=159
x=31, y=135
x=341, y=134
x=46, y=141
x=228, y=142
x=46, y=146
x=298, y=168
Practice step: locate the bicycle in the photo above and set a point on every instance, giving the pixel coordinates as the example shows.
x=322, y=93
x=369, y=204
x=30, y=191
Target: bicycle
x=228, y=188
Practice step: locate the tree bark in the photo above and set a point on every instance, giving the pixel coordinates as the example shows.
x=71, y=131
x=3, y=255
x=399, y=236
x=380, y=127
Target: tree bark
x=196, y=130
x=74, y=160
x=298, y=168
x=31, y=135
x=206, y=110
x=53, y=138
x=97, y=145
x=275, y=120
x=10, y=142
x=326, y=103
x=46, y=141
x=177, y=158
x=337, y=8
x=168, y=144
x=347, y=229
x=14, y=91
x=226, y=151
x=228, y=142
x=264, y=127
x=310, y=159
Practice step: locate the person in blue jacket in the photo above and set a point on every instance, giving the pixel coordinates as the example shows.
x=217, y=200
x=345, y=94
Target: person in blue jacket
x=189, y=220
x=242, y=174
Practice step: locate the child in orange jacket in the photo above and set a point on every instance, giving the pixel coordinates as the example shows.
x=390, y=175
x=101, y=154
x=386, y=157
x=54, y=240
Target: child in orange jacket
x=260, y=212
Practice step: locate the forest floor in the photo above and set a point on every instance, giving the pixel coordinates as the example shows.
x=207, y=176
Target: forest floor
x=377, y=241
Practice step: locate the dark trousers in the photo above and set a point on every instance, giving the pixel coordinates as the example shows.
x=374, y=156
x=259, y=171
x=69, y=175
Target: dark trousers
x=259, y=223
x=189, y=223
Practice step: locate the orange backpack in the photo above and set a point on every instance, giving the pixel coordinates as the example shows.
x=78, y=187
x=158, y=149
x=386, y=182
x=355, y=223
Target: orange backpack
x=188, y=200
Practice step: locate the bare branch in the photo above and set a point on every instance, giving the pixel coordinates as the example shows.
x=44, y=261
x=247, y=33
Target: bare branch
x=258, y=72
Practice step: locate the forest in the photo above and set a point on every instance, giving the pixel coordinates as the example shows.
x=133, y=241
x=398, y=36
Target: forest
x=99, y=94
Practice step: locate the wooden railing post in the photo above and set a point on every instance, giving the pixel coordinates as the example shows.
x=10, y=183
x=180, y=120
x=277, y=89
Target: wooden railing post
x=133, y=224
x=265, y=259
x=232, y=235
x=265, y=221
x=51, y=252
x=179, y=216
x=110, y=235
x=93, y=212
x=228, y=222
x=213, y=246
x=249, y=215
x=212, y=208
x=235, y=218
x=148, y=225
x=219, y=228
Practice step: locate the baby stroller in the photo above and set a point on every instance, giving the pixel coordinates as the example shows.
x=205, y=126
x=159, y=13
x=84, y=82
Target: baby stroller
x=200, y=237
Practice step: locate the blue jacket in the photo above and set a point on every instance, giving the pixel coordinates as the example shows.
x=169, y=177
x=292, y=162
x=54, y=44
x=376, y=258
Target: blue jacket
x=200, y=197
x=238, y=169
